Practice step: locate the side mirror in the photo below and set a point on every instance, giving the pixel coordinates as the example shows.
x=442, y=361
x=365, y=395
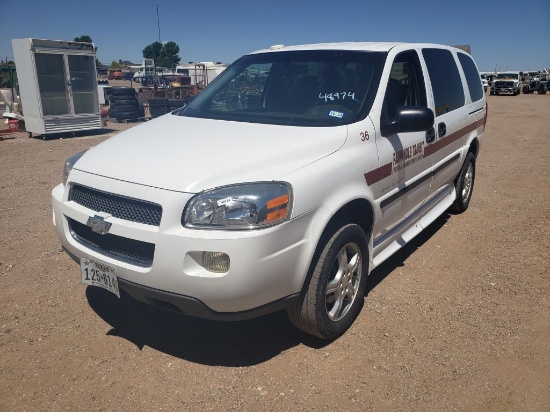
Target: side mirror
x=408, y=119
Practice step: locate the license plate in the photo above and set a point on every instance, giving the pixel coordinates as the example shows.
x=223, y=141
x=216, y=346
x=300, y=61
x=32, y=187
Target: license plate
x=97, y=274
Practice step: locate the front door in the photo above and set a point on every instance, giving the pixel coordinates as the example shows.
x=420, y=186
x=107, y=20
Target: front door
x=408, y=179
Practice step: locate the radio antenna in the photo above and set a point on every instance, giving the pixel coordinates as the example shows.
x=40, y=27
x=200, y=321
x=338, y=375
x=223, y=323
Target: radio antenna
x=158, y=21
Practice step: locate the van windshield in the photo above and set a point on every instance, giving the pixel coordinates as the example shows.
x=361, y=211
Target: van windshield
x=299, y=88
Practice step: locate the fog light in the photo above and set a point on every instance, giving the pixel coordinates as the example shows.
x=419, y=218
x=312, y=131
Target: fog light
x=216, y=262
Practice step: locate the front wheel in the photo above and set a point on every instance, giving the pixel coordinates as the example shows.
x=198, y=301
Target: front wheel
x=464, y=184
x=334, y=295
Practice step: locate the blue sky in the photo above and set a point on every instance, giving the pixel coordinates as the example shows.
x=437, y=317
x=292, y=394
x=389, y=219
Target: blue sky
x=215, y=30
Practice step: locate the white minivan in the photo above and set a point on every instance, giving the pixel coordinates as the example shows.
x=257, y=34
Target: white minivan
x=279, y=191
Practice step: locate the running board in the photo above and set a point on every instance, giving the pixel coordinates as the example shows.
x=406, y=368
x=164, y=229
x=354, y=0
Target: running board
x=429, y=212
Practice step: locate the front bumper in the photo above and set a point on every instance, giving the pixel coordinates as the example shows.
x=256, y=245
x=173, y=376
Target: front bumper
x=505, y=91
x=267, y=267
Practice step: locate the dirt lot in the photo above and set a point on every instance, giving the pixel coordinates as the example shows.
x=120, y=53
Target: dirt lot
x=458, y=320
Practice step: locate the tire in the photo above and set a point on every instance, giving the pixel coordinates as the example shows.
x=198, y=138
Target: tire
x=127, y=107
x=491, y=93
x=542, y=90
x=174, y=104
x=328, y=315
x=158, y=107
x=123, y=91
x=125, y=100
x=464, y=184
x=120, y=116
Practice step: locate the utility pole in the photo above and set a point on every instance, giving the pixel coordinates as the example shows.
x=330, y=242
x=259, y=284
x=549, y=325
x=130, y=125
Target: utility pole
x=158, y=21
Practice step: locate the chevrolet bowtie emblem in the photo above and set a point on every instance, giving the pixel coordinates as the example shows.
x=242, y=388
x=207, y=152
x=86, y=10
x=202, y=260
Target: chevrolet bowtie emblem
x=98, y=225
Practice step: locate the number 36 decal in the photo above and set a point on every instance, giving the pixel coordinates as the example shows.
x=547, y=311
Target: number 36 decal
x=364, y=136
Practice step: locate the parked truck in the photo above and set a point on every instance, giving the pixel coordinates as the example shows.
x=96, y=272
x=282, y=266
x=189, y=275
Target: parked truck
x=508, y=83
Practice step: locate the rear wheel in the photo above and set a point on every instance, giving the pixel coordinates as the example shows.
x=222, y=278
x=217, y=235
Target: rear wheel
x=334, y=295
x=464, y=184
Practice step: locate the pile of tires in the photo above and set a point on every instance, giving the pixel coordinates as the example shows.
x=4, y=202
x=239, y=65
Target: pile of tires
x=159, y=107
x=124, y=105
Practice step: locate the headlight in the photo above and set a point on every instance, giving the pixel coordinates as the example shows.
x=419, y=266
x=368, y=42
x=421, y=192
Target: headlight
x=69, y=163
x=244, y=206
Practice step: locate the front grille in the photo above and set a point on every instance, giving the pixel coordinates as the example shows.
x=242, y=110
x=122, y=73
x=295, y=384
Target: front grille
x=126, y=208
x=129, y=250
x=505, y=84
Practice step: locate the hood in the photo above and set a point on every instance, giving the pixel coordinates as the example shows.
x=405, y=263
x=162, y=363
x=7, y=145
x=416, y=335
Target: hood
x=190, y=155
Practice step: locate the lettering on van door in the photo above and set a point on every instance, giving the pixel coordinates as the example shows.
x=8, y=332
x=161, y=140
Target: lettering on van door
x=408, y=156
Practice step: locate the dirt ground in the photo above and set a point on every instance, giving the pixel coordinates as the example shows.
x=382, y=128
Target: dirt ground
x=459, y=320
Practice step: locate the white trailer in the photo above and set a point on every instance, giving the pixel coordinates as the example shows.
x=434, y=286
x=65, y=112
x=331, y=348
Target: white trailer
x=202, y=73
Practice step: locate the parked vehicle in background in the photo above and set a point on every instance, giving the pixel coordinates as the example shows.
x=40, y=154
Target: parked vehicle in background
x=490, y=78
x=538, y=84
x=116, y=75
x=280, y=191
x=508, y=83
x=484, y=83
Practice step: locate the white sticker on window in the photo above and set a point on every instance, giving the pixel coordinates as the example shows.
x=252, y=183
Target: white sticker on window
x=334, y=113
x=222, y=202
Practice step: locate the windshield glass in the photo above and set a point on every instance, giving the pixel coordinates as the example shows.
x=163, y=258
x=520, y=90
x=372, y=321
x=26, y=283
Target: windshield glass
x=299, y=88
x=507, y=76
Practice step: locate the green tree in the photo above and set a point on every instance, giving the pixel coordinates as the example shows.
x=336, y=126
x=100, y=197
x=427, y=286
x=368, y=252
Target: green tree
x=169, y=55
x=87, y=39
x=116, y=65
x=152, y=51
x=164, y=55
x=84, y=39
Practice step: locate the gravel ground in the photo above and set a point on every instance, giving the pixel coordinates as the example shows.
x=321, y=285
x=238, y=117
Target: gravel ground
x=459, y=320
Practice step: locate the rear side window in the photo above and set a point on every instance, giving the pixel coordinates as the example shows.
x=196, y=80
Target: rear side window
x=472, y=77
x=446, y=83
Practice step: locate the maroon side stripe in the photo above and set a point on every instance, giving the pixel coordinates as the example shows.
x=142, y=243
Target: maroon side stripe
x=447, y=140
x=378, y=174
x=385, y=171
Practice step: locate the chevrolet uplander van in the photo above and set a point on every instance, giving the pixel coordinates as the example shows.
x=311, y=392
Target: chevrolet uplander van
x=282, y=185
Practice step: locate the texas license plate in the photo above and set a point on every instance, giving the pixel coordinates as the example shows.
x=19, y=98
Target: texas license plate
x=98, y=274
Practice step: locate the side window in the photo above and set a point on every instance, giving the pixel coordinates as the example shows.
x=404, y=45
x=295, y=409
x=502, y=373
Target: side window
x=446, y=83
x=406, y=84
x=472, y=76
